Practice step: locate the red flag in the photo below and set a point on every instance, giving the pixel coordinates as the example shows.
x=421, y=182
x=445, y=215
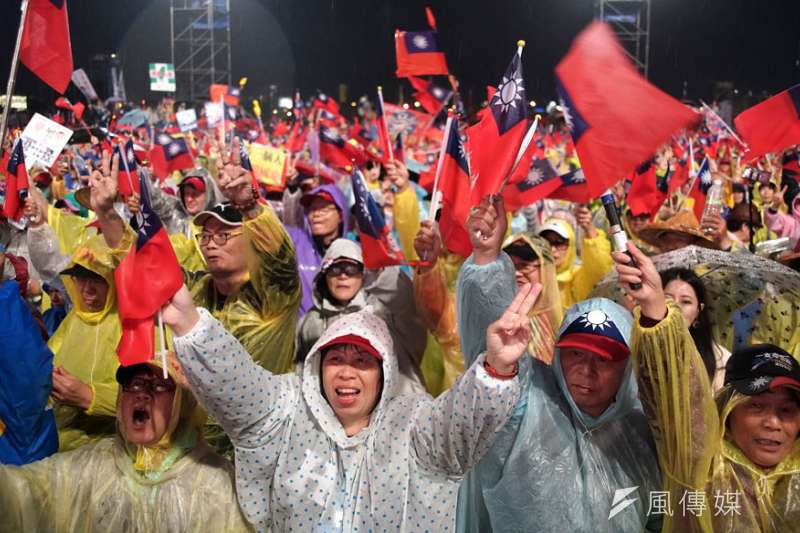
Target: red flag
x=297, y=137
x=128, y=179
x=169, y=154
x=16, y=183
x=644, y=196
x=538, y=180
x=377, y=246
x=617, y=119
x=418, y=54
x=430, y=96
x=226, y=93
x=573, y=188
x=773, y=125
x=699, y=190
x=151, y=261
x=383, y=129
x=45, y=48
x=323, y=101
x=454, y=184
x=495, y=141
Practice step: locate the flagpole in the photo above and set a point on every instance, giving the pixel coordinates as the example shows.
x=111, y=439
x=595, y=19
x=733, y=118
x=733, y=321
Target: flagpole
x=385, y=126
x=161, y=341
x=436, y=194
x=730, y=130
x=12, y=76
x=124, y=154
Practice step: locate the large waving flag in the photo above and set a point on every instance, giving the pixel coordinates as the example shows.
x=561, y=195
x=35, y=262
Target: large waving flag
x=454, y=186
x=494, y=142
x=617, y=119
x=16, y=183
x=418, y=54
x=377, y=246
x=145, y=280
x=45, y=46
x=540, y=181
x=773, y=125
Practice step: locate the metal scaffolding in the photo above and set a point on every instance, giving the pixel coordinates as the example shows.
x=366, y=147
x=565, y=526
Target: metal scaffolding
x=200, y=33
x=630, y=20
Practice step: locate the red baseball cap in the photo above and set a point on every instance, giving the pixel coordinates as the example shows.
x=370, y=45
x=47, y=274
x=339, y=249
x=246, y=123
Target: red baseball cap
x=308, y=198
x=350, y=338
x=600, y=345
x=193, y=181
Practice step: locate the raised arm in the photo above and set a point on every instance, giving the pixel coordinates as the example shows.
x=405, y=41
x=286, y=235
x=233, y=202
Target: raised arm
x=103, y=193
x=673, y=383
x=451, y=434
x=251, y=404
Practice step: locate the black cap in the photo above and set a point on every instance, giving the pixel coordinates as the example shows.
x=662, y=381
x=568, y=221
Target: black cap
x=755, y=369
x=80, y=271
x=224, y=212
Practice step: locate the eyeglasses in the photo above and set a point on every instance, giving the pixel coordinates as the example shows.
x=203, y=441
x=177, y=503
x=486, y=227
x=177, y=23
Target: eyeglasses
x=151, y=386
x=348, y=269
x=324, y=210
x=558, y=244
x=219, y=239
x=525, y=267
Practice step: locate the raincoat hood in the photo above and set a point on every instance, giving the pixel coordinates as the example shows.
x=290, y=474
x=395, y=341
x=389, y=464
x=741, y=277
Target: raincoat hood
x=371, y=328
x=549, y=300
x=94, y=256
x=339, y=249
x=627, y=396
x=565, y=270
x=183, y=429
x=341, y=204
x=213, y=194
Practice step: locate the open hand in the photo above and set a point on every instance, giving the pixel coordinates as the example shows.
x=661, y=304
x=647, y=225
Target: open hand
x=507, y=338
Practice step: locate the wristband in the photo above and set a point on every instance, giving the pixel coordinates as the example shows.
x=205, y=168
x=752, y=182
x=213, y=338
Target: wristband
x=495, y=374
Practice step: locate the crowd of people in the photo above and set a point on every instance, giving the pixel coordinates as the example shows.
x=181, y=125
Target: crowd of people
x=521, y=387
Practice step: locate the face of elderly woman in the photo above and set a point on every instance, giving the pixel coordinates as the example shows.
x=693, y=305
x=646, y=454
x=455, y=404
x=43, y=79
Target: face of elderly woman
x=146, y=407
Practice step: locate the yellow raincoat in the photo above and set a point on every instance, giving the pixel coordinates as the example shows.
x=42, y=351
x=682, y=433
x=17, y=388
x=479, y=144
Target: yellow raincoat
x=72, y=230
x=179, y=484
x=695, y=454
x=406, y=220
x=262, y=315
x=576, y=281
x=85, y=345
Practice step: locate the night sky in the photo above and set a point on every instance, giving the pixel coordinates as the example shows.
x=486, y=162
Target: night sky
x=309, y=44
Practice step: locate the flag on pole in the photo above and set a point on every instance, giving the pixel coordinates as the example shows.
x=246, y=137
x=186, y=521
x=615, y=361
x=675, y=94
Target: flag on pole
x=617, y=119
x=494, y=142
x=383, y=129
x=431, y=97
x=418, y=54
x=169, y=154
x=700, y=187
x=454, y=187
x=45, y=47
x=773, y=125
x=151, y=261
x=323, y=101
x=229, y=95
x=16, y=183
x=377, y=246
x=540, y=181
x=645, y=196
x=128, y=179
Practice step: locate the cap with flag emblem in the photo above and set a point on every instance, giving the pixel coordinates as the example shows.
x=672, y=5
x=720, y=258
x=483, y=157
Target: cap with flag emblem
x=595, y=331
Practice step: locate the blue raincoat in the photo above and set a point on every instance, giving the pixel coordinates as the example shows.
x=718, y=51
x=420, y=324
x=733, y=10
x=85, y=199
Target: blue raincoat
x=27, y=426
x=553, y=467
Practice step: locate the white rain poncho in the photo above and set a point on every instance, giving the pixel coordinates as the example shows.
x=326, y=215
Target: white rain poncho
x=553, y=467
x=297, y=470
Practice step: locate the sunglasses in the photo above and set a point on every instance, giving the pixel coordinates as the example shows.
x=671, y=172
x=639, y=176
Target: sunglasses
x=348, y=269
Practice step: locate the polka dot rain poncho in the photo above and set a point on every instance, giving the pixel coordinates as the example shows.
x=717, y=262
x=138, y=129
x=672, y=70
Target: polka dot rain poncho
x=297, y=470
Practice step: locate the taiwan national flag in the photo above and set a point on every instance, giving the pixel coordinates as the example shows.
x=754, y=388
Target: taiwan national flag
x=145, y=280
x=645, y=196
x=323, y=101
x=540, y=181
x=495, y=141
x=573, y=188
x=335, y=151
x=377, y=246
x=430, y=96
x=617, y=119
x=169, y=154
x=383, y=129
x=16, y=183
x=229, y=95
x=45, y=47
x=700, y=187
x=454, y=185
x=418, y=54
x=773, y=125
x=128, y=179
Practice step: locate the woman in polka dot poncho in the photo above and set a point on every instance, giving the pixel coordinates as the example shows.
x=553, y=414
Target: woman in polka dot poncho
x=336, y=448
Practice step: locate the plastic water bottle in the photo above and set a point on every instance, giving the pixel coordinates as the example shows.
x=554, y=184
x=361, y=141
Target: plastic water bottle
x=714, y=202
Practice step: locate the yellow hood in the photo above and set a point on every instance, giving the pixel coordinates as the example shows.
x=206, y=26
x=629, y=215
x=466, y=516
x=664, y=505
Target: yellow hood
x=97, y=257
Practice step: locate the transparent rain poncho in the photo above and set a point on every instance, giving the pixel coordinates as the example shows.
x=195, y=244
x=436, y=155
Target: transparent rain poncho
x=689, y=427
x=178, y=484
x=552, y=467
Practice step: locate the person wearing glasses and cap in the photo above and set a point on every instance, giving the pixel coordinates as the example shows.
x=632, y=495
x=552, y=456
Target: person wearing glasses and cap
x=250, y=283
x=155, y=474
x=739, y=448
x=343, y=286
